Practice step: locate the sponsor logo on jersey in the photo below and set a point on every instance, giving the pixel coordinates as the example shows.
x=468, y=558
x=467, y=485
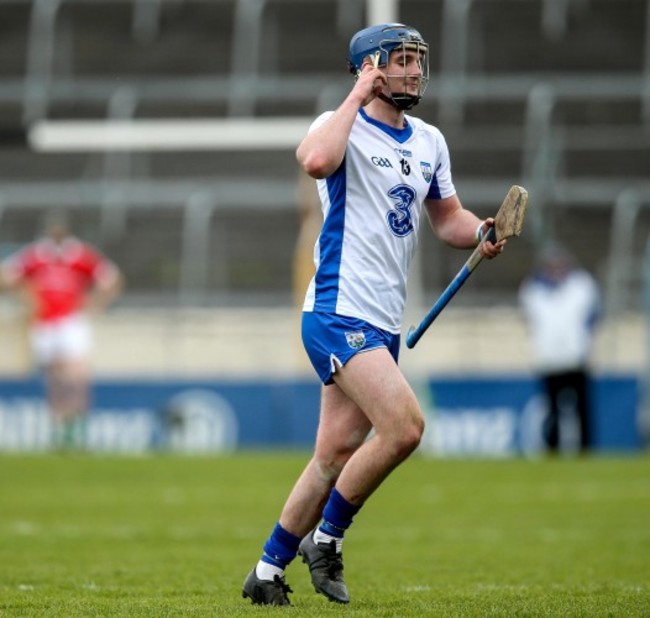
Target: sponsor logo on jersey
x=356, y=340
x=426, y=170
x=381, y=162
x=399, y=218
x=403, y=152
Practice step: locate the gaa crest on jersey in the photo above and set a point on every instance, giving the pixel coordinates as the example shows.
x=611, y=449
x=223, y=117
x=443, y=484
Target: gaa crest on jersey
x=427, y=171
x=356, y=340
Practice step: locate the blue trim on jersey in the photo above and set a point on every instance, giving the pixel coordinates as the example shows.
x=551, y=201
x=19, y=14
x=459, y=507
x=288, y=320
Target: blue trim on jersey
x=434, y=188
x=331, y=243
x=399, y=135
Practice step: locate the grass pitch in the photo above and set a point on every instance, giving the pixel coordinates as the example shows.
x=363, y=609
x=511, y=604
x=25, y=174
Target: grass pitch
x=175, y=536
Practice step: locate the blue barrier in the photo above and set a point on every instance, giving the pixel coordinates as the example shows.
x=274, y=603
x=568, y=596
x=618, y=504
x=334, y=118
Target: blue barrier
x=492, y=416
x=504, y=416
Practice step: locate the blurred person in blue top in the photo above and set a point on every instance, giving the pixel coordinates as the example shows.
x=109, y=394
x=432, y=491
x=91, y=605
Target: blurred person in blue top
x=378, y=170
x=561, y=304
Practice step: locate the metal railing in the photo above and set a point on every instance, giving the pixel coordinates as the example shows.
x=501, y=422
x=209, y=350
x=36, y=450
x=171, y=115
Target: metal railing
x=242, y=89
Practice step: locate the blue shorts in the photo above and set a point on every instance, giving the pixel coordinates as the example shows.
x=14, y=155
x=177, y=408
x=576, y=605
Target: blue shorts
x=331, y=340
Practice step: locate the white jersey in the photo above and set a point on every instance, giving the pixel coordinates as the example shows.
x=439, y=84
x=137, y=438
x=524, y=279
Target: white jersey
x=372, y=206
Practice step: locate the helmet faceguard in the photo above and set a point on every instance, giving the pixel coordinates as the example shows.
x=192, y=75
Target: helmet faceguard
x=378, y=42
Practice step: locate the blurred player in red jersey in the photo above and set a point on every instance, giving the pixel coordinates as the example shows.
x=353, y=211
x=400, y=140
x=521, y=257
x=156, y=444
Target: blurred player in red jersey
x=62, y=280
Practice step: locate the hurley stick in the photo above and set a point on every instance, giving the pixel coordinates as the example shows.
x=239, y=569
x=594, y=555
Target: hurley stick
x=508, y=222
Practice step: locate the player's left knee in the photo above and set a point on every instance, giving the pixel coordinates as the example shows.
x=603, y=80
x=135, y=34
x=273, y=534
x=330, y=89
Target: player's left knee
x=409, y=436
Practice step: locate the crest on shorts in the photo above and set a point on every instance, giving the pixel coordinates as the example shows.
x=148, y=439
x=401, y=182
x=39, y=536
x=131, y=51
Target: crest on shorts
x=356, y=340
x=426, y=170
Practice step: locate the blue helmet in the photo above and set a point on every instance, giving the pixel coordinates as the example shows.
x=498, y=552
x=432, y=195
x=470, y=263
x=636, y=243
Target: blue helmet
x=378, y=42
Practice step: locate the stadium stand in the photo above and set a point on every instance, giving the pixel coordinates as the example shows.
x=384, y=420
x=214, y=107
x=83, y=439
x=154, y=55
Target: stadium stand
x=551, y=94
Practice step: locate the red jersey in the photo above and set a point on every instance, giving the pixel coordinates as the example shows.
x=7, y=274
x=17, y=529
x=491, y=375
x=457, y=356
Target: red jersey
x=58, y=276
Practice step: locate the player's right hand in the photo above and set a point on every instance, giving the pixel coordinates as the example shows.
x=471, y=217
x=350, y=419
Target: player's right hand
x=370, y=83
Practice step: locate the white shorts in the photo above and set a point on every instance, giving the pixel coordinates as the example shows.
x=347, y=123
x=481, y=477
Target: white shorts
x=66, y=339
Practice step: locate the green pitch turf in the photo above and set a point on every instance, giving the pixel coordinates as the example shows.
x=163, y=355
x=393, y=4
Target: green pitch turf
x=175, y=536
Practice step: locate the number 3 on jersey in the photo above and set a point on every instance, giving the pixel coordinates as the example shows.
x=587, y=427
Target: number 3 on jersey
x=399, y=218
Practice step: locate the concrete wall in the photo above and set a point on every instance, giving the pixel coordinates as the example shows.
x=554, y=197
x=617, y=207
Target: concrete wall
x=266, y=343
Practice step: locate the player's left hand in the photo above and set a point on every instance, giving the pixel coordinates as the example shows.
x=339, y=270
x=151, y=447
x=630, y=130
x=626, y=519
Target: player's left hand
x=488, y=249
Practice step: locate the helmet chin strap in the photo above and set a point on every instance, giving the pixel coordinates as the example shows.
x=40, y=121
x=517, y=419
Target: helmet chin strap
x=403, y=102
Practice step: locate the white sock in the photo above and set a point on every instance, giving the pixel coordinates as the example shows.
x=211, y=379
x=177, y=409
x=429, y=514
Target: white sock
x=321, y=537
x=267, y=571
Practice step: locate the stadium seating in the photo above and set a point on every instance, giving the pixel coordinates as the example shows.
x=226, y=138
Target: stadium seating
x=546, y=93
